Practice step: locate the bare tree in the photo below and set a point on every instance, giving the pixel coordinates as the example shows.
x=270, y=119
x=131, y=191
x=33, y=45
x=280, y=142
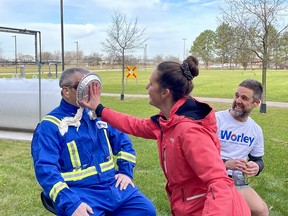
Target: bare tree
x=57, y=56
x=1, y=51
x=123, y=37
x=93, y=59
x=69, y=57
x=46, y=56
x=158, y=59
x=172, y=58
x=255, y=18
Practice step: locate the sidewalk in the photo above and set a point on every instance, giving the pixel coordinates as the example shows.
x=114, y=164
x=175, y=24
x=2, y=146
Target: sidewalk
x=222, y=100
x=28, y=136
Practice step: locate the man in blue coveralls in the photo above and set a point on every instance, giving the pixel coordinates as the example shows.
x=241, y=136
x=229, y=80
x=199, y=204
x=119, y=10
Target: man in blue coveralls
x=73, y=155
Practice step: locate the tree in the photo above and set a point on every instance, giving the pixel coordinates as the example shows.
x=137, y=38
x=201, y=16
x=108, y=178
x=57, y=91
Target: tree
x=1, y=51
x=123, y=37
x=69, y=57
x=47, y=56
x=26, y=57
x=158, y=59
x=255, y=18
x=243, y=54
x=93, y=59
x=273, y=48
x=57, y=56
x=283, y=49
x=204, y=45
x=224, y=41
x=172, y=58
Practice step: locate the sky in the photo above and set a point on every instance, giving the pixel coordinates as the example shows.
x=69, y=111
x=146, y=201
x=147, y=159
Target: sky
x=170, y=25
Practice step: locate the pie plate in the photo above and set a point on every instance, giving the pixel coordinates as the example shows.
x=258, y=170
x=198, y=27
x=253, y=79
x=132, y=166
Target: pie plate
x=83, y=87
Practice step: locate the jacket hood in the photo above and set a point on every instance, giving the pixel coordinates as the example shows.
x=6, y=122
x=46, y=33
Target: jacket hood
x=197, y=111
x=191, y=109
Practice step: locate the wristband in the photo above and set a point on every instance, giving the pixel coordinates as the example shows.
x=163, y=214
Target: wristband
x=99, y=110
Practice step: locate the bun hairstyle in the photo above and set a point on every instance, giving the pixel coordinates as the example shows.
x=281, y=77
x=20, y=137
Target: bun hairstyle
x=190, y=67
x=178, y=76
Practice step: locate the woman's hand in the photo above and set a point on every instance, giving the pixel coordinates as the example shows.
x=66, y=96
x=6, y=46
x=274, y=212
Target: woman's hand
x=94, y=96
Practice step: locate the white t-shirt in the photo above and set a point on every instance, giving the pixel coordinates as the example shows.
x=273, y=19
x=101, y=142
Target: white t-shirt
x=238, y=139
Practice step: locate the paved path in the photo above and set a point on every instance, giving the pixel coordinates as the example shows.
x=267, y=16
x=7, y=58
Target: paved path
x=15, y=135
x=224, y=100
x=28, y=136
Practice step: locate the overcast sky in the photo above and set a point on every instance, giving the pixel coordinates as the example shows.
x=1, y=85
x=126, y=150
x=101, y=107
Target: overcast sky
x=167, y=23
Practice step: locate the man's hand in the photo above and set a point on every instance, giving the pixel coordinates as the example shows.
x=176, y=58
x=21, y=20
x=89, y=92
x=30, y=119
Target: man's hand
x=123, y=181
x=236, y=164
x=252, y=169
x=94, y=96
x=83, y=210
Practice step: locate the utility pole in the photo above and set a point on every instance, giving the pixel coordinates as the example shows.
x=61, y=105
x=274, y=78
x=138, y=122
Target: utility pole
x=15, y=52
x=184, y=54
x=62, y=35
x=77, y=53
x=145, y=56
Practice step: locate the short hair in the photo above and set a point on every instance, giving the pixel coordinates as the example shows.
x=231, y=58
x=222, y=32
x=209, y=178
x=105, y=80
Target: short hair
x=254, y=85
x=65, y=79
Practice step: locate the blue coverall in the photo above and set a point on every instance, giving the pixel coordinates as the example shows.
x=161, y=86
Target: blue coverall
x=78, y=166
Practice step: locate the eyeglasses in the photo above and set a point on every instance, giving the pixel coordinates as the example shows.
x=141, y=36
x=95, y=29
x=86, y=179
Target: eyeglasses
x=75, y=86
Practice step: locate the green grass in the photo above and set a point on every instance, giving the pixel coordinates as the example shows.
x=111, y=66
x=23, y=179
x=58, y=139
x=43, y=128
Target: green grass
x=272, y=182
x=210, y=83
x=20, y=194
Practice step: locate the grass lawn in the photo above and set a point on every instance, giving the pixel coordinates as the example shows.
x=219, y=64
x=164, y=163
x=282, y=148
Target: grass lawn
x=20, y=194
x=210, y=83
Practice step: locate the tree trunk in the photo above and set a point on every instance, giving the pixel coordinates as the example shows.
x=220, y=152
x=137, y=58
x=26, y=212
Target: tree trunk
x=123, y=73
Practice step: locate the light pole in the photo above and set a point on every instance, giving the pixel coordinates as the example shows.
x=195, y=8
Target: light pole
x=145, y=56
x=15, y=52
x=62, y=35
x=184, y=39
x=76, y=52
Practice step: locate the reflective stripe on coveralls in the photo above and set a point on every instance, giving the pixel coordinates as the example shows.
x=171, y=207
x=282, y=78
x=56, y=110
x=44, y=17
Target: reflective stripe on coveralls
x=74, y=155
x=126, y=156
x=56, y=189
x=121, y=154
x=78, y=173
x=75, y=159
x=52, y=119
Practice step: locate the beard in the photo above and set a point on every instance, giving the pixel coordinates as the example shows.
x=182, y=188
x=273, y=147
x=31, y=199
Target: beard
x=240, y=112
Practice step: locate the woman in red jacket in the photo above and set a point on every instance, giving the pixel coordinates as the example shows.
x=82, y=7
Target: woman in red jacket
x=189, y=150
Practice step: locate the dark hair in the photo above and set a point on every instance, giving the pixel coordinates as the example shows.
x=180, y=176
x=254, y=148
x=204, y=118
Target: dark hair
x=254, y=85
x=178, y=77
x=65, y=79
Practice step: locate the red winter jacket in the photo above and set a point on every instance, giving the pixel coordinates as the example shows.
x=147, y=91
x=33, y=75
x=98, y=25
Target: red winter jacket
x=189, y=151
